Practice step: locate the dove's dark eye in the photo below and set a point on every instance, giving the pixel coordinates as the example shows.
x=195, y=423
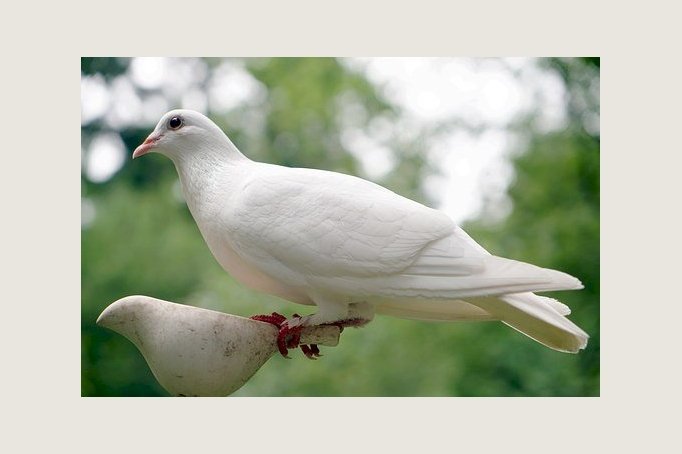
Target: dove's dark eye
x=175, y=123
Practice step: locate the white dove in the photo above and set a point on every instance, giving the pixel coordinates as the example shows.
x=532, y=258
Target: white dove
x=349, y=246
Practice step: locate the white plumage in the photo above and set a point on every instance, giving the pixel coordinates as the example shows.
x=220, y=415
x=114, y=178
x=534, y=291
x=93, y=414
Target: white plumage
x=349, y=246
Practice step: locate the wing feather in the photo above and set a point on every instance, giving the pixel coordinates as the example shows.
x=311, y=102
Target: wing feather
x=329, y=224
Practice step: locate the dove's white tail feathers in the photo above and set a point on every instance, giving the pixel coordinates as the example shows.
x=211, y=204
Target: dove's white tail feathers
x=537, y=319
x=558, y=306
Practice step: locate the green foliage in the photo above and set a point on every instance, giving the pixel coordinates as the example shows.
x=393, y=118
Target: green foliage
x=303, y=122
x=143, y=241
x=555, y=224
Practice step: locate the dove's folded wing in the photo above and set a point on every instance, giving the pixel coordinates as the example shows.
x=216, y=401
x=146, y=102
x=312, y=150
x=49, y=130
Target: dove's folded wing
x=346, y=234
x=329, y=224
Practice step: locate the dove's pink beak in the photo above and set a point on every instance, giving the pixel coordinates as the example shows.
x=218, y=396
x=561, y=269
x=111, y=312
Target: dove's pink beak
x=146, y=146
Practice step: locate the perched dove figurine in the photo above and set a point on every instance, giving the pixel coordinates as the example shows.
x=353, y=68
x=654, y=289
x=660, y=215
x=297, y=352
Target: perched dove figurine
x=198, y=352
x=348, y=246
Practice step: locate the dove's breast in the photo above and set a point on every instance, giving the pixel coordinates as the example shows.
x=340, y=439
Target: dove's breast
x=217, y=239
x=209, y=204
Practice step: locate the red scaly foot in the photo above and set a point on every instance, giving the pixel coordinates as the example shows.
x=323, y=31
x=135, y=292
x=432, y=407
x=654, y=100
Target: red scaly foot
x=288, y=336
x=311, y=351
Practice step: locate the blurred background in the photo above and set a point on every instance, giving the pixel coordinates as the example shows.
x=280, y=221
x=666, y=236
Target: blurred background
x=509, y=148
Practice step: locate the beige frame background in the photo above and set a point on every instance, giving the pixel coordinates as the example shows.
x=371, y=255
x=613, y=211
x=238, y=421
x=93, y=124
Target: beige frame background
x=640, y=232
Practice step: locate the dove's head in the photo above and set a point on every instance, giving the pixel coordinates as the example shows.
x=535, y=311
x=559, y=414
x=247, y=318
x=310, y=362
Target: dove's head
x=128, y=316
x=183, y=134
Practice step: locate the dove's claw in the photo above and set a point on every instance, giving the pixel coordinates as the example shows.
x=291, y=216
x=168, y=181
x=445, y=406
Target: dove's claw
x=279, y=321
x=274, y=319
x=289, y=336
x=307, y=351
x=311, y=351
x=282, y=343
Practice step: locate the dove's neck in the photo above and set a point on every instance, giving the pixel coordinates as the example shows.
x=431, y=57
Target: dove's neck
x=207, y=175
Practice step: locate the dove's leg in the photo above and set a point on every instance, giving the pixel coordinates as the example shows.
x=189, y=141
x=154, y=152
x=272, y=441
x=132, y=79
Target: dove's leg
x=288, y=336
x=329, y=310
x=338, y=314
x=329, y=313
x=361, y=311
x=274, y=319
x=359, y=314
x=292, y=341
x=284, y=337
